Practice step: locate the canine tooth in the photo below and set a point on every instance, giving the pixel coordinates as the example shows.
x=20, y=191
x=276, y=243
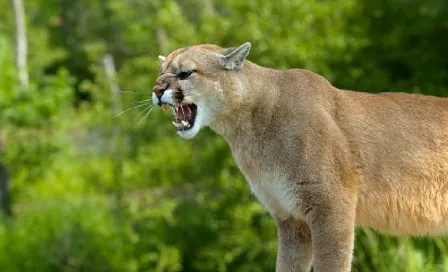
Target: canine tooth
x=185, y=123
x=176, y=124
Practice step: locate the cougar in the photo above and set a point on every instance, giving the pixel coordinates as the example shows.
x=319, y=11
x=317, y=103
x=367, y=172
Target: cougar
x=321, y=160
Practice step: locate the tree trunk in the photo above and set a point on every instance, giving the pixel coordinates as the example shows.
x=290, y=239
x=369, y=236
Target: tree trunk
x=21, y=42
x=162, y=39
x=109, y=69
x=5, y=199
x=117, y=138
x=208, y=8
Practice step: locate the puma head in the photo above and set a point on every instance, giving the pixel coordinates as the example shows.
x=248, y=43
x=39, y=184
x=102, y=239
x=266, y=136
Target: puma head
x=200, y=83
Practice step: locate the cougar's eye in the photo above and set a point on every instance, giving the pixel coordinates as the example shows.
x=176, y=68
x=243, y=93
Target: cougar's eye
x=184, y=75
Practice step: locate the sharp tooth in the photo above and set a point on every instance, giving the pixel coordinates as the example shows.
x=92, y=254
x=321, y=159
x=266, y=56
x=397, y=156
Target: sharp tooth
x=185, y=123
x=176, y=124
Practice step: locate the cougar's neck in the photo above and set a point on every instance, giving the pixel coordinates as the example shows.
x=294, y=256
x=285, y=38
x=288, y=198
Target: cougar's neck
x=252, y=106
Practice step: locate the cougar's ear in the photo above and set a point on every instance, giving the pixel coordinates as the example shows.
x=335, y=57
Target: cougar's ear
x=234, y=57
x=161, y=59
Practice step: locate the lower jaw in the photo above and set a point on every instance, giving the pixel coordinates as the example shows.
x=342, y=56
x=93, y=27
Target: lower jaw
x=185, y=130
x=187, y=134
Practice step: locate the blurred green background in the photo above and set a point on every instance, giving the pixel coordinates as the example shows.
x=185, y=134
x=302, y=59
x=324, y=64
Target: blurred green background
x=93, y=192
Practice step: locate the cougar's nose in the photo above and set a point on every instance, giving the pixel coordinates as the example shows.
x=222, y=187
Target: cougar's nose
x=159, y=90
x=163, y=83
x=157, y=93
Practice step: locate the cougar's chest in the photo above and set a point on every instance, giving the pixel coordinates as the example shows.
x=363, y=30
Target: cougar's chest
x=271, y=186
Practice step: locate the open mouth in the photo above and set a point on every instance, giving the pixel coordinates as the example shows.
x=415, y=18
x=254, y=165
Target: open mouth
x=185, y=116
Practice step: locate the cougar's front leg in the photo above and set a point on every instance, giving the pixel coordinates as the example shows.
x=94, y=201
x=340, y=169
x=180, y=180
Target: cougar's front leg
x=332, y=229
x=294, y=252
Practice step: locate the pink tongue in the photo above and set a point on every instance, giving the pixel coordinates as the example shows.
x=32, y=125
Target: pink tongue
x=183, y=112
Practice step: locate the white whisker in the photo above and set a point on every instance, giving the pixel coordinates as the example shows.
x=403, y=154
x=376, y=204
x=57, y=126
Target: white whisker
x=140, y=120
x=129, y=110
x=143, y=118
x=145, y=109
x=143, y=101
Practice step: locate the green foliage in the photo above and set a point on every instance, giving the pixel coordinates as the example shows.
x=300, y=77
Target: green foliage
x=58, y=235
x=94, y=192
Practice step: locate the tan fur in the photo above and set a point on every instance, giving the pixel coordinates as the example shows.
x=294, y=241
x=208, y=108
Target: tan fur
x=322, y=160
